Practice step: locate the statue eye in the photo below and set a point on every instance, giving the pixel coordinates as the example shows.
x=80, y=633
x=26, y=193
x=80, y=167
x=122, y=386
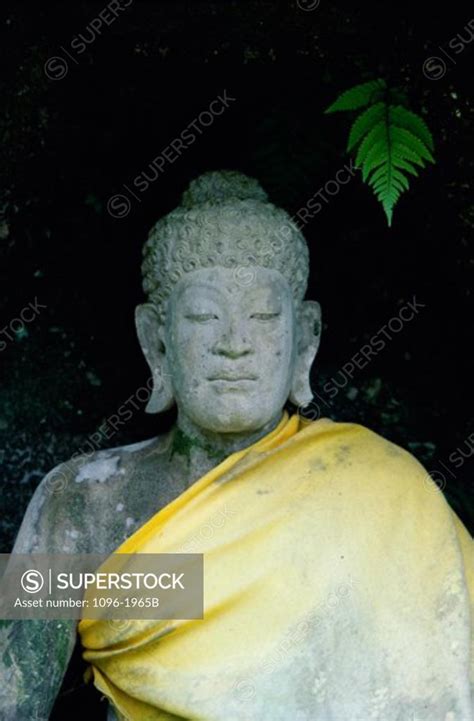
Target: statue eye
x=202, y=317
x=265, y=316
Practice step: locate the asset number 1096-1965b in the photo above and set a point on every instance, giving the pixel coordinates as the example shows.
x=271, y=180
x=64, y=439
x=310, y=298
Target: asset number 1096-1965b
x=133, y=602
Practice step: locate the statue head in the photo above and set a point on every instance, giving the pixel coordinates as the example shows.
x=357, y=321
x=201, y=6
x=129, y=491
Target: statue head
x=226, y=331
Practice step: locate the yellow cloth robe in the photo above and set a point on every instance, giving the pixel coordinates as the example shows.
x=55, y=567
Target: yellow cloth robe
x=338, y=586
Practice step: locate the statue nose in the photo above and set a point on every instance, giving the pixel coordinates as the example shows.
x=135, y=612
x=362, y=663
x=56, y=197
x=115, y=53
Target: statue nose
x=234, y=342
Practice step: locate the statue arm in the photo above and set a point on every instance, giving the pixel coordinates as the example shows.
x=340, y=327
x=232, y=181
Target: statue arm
x=466, y=543
x=34, y=654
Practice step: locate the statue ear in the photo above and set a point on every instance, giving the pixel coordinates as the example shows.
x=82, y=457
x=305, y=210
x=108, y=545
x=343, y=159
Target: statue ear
x=150, y=334
x=308, y=321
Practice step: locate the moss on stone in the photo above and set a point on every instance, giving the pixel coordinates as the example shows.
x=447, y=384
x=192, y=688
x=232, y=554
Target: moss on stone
x=182, y=444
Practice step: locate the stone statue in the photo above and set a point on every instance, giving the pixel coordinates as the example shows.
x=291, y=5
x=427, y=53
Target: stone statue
x=229, y=337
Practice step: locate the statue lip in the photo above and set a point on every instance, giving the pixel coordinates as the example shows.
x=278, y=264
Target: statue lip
x=230, y=377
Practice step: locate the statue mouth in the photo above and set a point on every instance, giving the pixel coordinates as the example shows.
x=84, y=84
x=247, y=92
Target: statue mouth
x=231, y=378
x=232, y=384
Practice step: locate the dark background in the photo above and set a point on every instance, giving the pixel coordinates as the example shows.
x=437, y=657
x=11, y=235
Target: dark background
x=69, y=144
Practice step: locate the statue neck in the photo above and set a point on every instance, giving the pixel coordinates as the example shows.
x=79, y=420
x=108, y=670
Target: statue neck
x=206, y=449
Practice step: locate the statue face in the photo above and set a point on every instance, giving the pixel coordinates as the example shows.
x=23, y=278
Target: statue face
x=230, y=346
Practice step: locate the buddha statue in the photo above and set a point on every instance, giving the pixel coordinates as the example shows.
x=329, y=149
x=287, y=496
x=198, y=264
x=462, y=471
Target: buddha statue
x=339, y=584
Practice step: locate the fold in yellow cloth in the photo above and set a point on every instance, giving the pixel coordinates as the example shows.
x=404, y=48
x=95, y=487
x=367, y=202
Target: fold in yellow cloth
x=338, y=587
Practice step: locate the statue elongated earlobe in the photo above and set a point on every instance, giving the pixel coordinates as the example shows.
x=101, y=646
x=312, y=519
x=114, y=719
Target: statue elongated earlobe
x=149, y=331
x=308, y=320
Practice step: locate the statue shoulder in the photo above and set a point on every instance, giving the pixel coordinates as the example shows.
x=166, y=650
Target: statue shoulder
x=387, y=464
x=365, y=454
x=74, y=504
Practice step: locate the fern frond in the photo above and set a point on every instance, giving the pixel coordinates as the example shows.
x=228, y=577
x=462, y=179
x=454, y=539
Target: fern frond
x=390, y=141
x=359, y=96
x=388, y=157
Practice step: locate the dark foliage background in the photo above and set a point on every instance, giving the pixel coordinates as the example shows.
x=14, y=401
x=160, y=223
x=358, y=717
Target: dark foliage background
x=68, y=145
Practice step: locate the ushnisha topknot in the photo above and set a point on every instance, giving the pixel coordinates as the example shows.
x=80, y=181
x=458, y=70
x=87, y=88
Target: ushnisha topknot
x=220, y=187
x=224, y=219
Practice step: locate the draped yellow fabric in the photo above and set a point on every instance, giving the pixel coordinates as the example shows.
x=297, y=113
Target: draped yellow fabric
x=338, y=586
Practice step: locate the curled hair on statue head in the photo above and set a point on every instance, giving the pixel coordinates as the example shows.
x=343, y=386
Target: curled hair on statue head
x=225, y=219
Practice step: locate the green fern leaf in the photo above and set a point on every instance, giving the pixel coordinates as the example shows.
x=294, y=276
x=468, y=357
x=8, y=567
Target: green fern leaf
x=377, y=175
x=397, y=180
x=364, y=123
x=403, y=151
x=404, y=118
x=382, y=172
x=359, y=96
x=402, y=137
x=373, y=138
x=400, y=162
x=385, y=187
x=376, y=156
x=390, y=141
x=379, y=178
x=383, y=153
